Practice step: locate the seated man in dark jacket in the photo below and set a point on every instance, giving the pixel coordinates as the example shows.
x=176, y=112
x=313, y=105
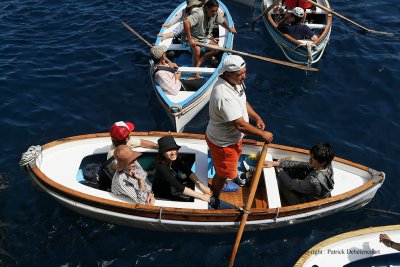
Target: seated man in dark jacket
x=291, y=25
x=301, y=182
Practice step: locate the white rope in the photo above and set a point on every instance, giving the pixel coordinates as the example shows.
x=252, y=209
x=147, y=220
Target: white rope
x=30, y=155
x=283, y=47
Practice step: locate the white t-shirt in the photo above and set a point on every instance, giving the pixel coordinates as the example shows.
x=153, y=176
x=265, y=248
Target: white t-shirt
x=227, y=103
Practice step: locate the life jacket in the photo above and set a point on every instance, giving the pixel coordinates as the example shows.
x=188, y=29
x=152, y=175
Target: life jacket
x=158, y=68
x=300, y=3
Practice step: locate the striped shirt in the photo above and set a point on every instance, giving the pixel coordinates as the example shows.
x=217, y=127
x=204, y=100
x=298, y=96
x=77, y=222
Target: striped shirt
x=124, y=185
x=167, y=81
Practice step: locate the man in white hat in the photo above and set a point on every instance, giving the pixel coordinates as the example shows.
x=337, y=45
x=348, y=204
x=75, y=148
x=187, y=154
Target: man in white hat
x=291, y=25
x=229, y=121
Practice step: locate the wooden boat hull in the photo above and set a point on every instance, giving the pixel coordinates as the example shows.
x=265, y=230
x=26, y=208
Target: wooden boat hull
x=183, y=108
x=61, y=182
x=298, y=51
x=355, y=245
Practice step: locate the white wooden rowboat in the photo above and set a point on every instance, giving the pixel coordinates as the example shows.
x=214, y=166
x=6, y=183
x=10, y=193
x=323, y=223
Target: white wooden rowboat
x=182, y=107
x=58, y=171
x=350, y=247
x=301, y=51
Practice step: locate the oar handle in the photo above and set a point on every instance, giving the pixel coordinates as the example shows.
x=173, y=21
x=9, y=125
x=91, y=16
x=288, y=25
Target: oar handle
x=253, y=188
x=135, y=33
x=275, y=3
x=289, y=64
x=345, y=18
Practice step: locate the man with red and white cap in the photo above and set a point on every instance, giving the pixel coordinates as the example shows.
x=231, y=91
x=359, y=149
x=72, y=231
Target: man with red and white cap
x=119, y=133
x=229, y=121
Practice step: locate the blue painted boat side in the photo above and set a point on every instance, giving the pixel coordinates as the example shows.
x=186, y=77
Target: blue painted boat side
x=167, y=103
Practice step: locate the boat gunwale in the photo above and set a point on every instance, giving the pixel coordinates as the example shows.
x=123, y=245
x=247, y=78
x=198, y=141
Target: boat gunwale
x=178, y=213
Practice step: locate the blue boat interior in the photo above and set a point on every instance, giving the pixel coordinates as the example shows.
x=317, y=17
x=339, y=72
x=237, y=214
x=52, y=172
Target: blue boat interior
x=147, y=161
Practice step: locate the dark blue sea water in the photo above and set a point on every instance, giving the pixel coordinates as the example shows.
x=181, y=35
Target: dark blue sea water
x=70, y=67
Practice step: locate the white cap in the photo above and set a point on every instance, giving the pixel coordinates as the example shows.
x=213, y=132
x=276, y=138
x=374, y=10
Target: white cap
x=232, y=63
x=297, y=11
x=157, y=51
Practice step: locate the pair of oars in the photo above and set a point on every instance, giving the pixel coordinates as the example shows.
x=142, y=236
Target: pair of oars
x=289, y=64
x=276, y=2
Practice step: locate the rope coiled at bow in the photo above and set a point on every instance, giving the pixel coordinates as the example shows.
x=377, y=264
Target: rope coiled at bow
x=30, y=155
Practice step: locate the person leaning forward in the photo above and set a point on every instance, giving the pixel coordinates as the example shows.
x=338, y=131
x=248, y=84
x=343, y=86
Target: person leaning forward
x=229, y=114
x=198, y=27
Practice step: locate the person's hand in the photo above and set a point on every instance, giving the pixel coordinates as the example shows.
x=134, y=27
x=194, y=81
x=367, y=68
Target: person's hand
x=205, y=197
x=385, y=239
x=136, y=176
x=150, y=199
x=166, y=25
x=268, y=164
x=260, y=124
x=173, y=65
x=267, y=136
x=192, y=42
x=205, y=189
x=233, y=30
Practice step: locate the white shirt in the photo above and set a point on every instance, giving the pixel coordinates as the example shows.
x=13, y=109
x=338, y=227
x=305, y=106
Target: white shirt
x=227, y=104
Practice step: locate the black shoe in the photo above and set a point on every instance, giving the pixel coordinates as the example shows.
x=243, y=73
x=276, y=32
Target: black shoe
x=241, y=179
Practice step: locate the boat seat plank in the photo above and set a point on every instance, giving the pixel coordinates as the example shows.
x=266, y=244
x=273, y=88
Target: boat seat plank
x=315, y=26
x=181, y=96
x=271, y=184
x=197, y=70
x=179, y=47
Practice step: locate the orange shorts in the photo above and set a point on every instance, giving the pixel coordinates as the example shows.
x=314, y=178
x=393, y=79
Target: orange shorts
x=225, y=159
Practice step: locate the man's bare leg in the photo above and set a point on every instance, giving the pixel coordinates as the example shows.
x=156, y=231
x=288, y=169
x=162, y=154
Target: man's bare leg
x=217, y=185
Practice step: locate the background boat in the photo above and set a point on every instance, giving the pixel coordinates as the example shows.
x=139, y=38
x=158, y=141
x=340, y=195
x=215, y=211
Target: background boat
x=58, y=171
x=349, y=247
x=301, y=51
x=182, y=107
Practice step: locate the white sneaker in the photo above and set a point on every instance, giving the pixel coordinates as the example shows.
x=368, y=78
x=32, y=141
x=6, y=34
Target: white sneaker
x=248, y=168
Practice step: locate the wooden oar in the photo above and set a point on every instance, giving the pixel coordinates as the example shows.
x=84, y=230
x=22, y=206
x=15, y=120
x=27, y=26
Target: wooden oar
x=347, y=19
x=252, y=193
x=135, y=33
x=257, y=56
x=140, y=37
x=228, y=50
x=275, y=3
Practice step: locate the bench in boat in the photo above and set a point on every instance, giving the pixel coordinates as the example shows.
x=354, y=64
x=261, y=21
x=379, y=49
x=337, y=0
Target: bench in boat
x=271, y=186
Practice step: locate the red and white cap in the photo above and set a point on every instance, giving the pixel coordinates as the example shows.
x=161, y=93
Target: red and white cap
x=120, y=130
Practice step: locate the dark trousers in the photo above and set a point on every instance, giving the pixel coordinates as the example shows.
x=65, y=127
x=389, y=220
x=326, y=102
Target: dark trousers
x=192, y=85
x=288, y=196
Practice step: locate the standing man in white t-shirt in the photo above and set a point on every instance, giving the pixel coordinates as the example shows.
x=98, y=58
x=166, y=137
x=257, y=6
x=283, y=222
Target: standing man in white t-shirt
x=229, y=121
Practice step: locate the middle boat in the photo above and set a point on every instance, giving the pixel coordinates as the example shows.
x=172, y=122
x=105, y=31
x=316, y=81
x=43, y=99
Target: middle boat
x=181, y=108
